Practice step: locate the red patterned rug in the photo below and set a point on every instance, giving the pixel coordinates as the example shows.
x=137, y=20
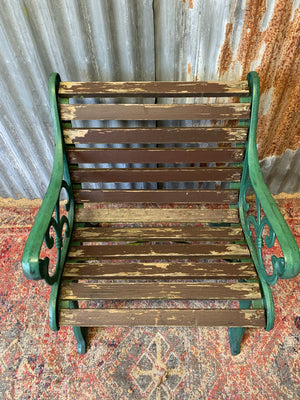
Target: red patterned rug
x=137, y=363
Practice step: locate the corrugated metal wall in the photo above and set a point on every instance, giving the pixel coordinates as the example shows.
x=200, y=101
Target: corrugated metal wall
x=144, y=40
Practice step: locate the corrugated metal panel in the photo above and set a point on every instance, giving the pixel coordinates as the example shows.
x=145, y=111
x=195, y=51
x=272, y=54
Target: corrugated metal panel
x=143, y=40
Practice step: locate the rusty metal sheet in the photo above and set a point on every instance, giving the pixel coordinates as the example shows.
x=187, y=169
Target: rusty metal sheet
x=120, y=40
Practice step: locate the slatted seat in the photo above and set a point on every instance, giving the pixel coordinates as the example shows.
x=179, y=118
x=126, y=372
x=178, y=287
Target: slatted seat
x=160, y=261
x=154, y=208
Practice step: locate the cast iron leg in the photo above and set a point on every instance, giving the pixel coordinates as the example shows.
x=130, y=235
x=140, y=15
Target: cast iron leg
x=80, y=333
x=236, y=333
x=235, y=337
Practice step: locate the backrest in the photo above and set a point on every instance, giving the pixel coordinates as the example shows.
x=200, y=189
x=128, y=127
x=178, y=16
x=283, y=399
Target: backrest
x=172, y=142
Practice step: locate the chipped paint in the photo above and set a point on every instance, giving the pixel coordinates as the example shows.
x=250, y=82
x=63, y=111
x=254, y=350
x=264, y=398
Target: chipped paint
x=68, y=136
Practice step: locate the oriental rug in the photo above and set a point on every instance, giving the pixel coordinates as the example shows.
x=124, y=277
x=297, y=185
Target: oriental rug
x=137, y=363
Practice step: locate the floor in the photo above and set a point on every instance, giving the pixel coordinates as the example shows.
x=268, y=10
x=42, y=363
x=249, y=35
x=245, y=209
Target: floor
x=137, y=363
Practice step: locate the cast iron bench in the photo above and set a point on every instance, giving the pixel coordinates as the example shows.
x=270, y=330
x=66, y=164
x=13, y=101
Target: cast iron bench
x=157, y=215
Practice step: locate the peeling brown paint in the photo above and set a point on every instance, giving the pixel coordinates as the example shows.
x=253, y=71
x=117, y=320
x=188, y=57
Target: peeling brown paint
x=279, y=43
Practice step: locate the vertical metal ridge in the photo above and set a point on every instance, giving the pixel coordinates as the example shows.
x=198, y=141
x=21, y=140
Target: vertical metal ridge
x=135, y=40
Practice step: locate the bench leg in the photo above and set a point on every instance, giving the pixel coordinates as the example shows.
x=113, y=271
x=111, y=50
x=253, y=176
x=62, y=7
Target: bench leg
x=236, y=333
x=80, y=333
x=235, y=337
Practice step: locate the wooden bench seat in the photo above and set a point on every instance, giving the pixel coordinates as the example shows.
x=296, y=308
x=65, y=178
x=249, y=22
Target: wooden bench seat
x=156, y=229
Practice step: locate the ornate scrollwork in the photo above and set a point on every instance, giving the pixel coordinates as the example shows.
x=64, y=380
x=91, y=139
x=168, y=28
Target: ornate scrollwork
x=58, y=223
x=263, y=237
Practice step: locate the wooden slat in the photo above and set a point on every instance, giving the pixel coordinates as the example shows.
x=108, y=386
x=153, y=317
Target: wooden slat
x=149, y=251
x=160, y=290
x=154, y=135
x=185, y=270
x=95, y=234
x=79, y=175
x=161, y=155
x=229, y=196
x=149, y=215
x=156, y=196
x=153, y=89
x=161, y=317
x=154, y=111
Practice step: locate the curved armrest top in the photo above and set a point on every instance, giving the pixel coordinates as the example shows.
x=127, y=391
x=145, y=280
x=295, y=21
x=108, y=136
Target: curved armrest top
x=286, y=240
x=30, y=259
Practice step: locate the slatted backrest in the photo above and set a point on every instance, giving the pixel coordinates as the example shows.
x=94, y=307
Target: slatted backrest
x=194, y=162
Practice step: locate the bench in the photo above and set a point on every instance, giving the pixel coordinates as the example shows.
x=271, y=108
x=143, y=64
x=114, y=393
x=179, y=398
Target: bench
x=156, y=228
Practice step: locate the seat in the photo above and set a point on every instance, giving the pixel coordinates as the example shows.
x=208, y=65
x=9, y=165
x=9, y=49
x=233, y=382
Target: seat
x=156, y=230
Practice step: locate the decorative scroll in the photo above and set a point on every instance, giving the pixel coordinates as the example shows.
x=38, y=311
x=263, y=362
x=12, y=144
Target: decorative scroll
x=58, y=223
x=258, y=224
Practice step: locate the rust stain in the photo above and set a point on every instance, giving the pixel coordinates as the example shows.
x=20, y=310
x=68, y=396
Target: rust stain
x=191, y=3
x=225, y=58
x=189, y=69
x=277, y=48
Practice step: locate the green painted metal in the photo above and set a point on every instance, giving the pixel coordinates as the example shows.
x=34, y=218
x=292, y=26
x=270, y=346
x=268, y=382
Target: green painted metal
x=33, y=266
x=287, y=266
x=79, y=332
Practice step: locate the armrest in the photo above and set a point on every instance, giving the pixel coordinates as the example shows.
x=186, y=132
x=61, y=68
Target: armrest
x=33, y=267
x=287, y=266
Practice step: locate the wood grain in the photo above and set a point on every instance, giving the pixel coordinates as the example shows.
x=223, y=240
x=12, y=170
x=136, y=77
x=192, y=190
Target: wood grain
x=161, y=155
x=154, y=135
x=153, y=89
x=149, y=215
x=160, y=290
x=161, y=317
x=79, y=175
x=95, y=234
x=160, y=270
x=150, y=112
x=156, y=251
x=229, y=196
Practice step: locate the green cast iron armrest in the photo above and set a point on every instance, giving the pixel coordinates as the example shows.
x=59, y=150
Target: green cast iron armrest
x=33, y=267
x=284, y=267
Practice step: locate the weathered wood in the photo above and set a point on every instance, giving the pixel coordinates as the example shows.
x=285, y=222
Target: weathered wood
x=79, y=175
x=160, y=270
x=229, y=196
x=153, y=89
x=149, y=215
x=149, y=251
x=160, y=290
x=151, y=112
x=161, y=317
x=154, y=135
x=161, y=155
x=95, y=234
